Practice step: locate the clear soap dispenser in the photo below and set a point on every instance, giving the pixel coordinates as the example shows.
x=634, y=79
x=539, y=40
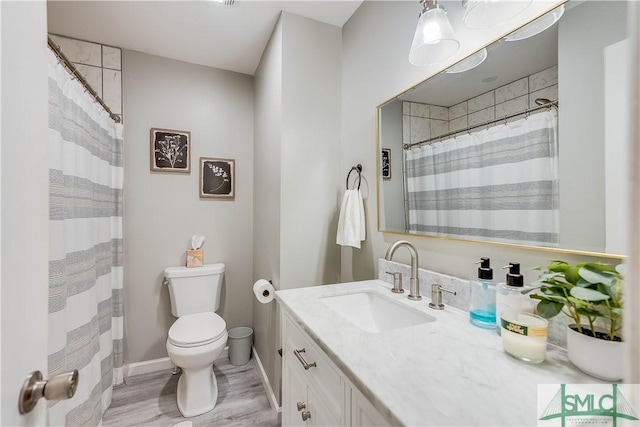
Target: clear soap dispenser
x=482, y=306
x=509, y=295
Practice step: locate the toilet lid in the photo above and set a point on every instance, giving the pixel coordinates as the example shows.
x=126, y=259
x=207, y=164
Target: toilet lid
x=197, y=329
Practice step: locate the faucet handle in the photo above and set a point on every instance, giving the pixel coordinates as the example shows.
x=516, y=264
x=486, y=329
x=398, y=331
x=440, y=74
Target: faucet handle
x=397, y=282
x=436, y=296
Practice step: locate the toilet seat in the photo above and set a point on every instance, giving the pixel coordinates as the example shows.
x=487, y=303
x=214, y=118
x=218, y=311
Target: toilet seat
x=196, y=330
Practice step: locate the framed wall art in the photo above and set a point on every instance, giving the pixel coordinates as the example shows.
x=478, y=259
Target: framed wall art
x=386, y=163
x=217, y=178
x=170, y=150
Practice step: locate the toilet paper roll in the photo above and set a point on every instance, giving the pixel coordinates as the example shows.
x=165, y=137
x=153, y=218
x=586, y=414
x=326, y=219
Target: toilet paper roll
x=264, y=291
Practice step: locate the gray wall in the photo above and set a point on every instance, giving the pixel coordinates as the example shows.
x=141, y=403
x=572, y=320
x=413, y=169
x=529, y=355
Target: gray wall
x=376, y=43
x=392, y=190
x=297, y=169
x=581, y=119
x=163, y=210
x=266, y=200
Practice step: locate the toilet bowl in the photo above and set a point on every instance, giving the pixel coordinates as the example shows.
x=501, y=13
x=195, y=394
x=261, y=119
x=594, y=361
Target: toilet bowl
x=195, y=342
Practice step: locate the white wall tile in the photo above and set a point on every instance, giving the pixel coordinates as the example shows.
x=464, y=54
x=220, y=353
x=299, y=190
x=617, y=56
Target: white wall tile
x=458, y=124
x=420, y=129
x=458, y=110
x=111, y=57
x=93, y=75
x=512, y=90
x=482, y=116
x=80, y=51
x=513, y=106
x=480, y=102
x=439, y=127
x=406, y=108
x=406, y=129
x=544, y=78
x=112, y=89
x=439, y=113
x=550, y=92
x=419, y=110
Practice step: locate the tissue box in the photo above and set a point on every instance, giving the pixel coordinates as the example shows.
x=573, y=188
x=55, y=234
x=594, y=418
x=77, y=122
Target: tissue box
x=195, y=258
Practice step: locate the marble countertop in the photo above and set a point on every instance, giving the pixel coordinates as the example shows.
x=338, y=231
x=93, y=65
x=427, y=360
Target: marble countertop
x=446, y=372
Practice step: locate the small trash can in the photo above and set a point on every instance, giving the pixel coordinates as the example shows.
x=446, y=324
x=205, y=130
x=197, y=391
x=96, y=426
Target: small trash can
x=240, y=340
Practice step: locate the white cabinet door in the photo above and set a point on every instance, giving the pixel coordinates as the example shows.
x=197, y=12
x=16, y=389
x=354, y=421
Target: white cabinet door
x=294, y=391
x=321, y=414
x=363, y=413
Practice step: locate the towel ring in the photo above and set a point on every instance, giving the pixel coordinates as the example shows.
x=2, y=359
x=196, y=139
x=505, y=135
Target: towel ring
x=357, y=168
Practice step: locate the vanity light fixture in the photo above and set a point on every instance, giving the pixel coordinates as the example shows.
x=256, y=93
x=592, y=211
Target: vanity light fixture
x=434, y=39
x=471, y=62
x=536, y=27
x=482, y=14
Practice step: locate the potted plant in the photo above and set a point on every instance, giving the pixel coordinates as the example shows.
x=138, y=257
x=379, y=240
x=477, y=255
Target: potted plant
x=591, y=295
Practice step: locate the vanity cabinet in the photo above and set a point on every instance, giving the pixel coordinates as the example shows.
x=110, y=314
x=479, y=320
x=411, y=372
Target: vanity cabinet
x=314, y=391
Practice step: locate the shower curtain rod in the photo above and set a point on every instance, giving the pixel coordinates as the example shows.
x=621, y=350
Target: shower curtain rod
x=509, y=116
x=66, y=63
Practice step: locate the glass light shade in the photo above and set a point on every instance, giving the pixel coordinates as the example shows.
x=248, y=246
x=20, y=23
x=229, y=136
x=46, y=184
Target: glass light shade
x=537, y=26
x=434, y=40
x=481, y=14
x=469, y=63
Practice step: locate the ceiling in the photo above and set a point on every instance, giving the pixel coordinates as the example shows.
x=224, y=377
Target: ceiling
x=201, y=32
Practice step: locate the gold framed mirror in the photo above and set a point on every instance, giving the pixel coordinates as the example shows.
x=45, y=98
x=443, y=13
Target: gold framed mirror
x=485, y=121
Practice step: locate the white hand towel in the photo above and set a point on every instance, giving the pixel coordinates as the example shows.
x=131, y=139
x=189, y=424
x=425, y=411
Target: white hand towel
x=351, y=224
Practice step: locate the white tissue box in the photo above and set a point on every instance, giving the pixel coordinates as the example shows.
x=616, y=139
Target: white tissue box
x=195, y=258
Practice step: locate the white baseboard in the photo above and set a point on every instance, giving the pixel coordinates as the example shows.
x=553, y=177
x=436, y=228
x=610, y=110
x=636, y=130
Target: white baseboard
x=273, y=401
x=156, y=365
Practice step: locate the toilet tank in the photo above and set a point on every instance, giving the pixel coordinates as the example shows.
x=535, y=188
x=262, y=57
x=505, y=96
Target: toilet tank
x=194, y=290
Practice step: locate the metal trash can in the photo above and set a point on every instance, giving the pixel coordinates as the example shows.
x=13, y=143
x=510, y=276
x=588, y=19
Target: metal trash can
x=240, y=340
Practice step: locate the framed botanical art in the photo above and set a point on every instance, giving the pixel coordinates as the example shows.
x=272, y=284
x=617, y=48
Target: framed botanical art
x=170, y=150
x=217, y=178
x=386, y=163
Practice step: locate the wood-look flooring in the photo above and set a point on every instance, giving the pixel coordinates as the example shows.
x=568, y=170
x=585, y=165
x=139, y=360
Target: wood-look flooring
x=150, y=400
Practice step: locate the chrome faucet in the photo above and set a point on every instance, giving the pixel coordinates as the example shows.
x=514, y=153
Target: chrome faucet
x=414, y=284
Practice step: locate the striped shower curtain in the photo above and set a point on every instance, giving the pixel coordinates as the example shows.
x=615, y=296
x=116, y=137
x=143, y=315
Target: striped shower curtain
x=85, y=262
x=498, y=184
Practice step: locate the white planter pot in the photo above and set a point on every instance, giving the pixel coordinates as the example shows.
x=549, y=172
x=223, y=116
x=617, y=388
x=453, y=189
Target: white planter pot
x=596, y=357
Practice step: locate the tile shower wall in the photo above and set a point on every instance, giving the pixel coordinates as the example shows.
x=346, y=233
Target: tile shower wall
x=421, y=121
x=557, y=325
x=100, y=65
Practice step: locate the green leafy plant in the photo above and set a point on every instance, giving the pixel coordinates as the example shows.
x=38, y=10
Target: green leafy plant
x=591, y=291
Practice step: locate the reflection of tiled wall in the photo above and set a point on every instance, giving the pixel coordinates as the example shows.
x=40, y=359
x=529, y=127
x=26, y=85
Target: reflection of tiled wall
x=100, y=65
x=421, y=123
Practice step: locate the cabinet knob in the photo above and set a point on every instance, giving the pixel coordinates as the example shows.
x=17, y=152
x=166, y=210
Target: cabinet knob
x=301, y=406
x=306, y=415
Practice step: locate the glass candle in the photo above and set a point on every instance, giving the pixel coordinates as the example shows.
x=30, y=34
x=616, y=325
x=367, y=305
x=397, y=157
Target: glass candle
x=524, y=335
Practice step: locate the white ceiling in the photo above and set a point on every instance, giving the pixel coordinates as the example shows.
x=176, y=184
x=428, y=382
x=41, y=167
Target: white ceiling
x=201, y=32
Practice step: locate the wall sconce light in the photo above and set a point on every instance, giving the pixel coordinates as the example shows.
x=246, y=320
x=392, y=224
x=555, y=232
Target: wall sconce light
x=434, y=39
x=481, y=14
x=536, y=27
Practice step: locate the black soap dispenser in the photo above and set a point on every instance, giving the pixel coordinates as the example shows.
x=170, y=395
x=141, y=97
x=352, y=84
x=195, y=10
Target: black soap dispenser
x=509, y=295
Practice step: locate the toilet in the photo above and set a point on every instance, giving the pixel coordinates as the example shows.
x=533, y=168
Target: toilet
x=199, y=335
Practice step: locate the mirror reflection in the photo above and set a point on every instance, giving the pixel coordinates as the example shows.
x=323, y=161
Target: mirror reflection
x=521, y=143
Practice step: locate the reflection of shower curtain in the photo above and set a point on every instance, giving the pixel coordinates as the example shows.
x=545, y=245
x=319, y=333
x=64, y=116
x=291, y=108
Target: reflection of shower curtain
x=85, y=232
x=498, y=184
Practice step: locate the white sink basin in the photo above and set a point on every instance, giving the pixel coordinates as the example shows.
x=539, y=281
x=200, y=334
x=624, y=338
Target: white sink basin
x=372, y=312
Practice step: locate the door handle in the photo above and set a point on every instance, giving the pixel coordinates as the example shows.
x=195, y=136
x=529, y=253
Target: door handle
x=60, y=387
